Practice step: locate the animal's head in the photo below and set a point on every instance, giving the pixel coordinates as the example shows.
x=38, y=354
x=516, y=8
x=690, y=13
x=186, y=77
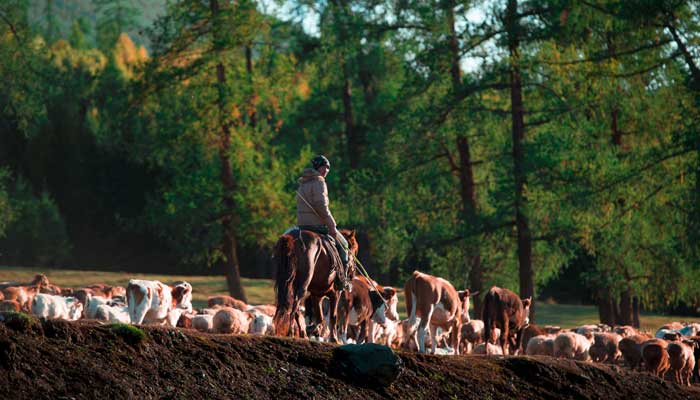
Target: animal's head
x=350, y=236
x=260, y=324
x=40, y=280
x=526, y=309
x=75, y=308
x=393, y=300
x=464, y=296
x=378, y=307
x=182, y=295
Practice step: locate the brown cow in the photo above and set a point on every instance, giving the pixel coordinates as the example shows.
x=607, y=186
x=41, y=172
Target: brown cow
x=436, y=302
x=655, y=356
x=505, y=310
x=631, y=349
x=361, y=305
x=682, y=360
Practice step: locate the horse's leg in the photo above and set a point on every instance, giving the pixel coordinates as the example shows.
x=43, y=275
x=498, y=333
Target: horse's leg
x=333, y=311
x=316, y=328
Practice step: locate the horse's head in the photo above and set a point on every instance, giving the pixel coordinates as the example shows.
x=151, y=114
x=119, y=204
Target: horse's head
x=352, y=240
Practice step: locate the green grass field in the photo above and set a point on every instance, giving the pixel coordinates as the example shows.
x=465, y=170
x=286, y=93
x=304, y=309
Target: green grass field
x=260, y=291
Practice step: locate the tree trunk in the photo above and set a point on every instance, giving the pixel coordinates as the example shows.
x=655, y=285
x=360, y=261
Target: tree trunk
x=635, y=312
x=229, y=244
x=527, y=285
x=606, y=312
x=466, y=172
x=353, y=141
x=625, y=316
x=252, y=121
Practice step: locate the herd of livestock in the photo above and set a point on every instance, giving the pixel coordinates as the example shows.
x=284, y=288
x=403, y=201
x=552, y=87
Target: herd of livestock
x=438, y=317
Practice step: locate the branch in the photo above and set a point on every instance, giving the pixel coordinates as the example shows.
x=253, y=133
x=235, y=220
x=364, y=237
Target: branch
x=607, y=56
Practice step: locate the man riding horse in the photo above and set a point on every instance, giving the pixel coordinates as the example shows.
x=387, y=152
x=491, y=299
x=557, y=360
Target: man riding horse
x=313, y=260
x=313, y=213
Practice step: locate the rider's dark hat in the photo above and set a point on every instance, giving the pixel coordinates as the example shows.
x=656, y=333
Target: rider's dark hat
x=319, y=161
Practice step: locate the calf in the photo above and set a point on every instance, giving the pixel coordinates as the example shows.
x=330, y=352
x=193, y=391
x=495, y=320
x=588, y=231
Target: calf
x=203, y=322
x=231, y=320
x=227, y=301
x=631, y=349
x=655, y=357
x=360, y=306
x=681, y=360
x=472, y=335
x=572, y=345
x=436, y=302
x=154, y=302
x=56, y=307
x=605, y=347
x=542, y=345
x=503, y=309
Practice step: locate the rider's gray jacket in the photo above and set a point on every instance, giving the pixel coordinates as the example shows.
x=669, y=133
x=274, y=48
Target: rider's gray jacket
x=313, y=187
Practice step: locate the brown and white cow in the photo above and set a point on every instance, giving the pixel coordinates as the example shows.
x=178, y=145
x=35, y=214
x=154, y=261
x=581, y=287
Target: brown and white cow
x=360, y=306
x=154, y=302
x=503, y=309
x=436, y=302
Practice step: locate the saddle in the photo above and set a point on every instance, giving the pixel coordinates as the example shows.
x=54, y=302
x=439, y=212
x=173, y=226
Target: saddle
x=343, y=275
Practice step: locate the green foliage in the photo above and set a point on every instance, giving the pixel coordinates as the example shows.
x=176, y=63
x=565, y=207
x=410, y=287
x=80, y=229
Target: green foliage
x=36, y=234
x=7, y=213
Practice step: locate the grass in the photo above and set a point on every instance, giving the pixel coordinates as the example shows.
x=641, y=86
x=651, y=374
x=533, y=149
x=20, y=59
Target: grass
x=260, y=291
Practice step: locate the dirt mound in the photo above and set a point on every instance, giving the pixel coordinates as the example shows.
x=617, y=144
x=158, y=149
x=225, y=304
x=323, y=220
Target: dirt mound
x=58, y=359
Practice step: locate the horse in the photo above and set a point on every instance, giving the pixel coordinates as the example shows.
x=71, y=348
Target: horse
x=304, y=268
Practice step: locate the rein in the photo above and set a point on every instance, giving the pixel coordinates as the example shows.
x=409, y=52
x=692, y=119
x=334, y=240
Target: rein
x=362, y=269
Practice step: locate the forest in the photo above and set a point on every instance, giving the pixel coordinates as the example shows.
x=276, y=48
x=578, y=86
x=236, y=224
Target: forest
x=551, y=146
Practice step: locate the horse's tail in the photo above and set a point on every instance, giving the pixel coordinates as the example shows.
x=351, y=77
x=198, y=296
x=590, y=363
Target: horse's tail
x=286, y=272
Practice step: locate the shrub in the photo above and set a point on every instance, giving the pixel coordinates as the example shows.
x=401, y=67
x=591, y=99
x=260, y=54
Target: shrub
x=129, y=333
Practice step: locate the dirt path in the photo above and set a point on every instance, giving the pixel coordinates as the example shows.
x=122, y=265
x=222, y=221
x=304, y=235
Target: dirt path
x=56, y=359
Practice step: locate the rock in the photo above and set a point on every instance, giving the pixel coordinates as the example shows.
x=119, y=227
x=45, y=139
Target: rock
x=368, y=364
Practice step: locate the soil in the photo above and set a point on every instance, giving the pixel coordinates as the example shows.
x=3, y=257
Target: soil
x=88, y=360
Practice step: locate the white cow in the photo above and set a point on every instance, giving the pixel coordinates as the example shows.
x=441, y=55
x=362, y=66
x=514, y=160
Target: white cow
x=56, y=307
x=112, y=313
x=154, y=302
x=91, y=304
